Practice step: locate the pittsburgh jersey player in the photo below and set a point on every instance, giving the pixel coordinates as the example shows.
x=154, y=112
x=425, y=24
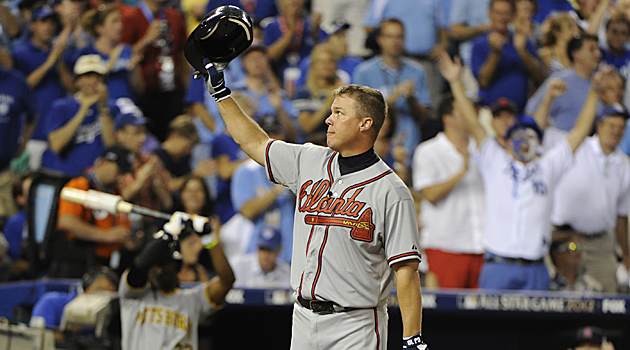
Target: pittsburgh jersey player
x=155, y=312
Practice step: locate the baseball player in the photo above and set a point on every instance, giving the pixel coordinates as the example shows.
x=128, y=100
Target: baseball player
x=354, y=229
x=155, y=313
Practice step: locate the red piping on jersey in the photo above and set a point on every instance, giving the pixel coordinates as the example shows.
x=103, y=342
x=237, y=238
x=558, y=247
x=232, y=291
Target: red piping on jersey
x=365, y=182
x=300, y=289
x=321, y=250
x=308, y=243
x=267, y=160
x=403, y=255
x=319, y=263
x=330, y=176
x=378, y=336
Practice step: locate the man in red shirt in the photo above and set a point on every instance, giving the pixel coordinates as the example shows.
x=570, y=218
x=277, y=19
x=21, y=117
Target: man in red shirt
x=158, y=32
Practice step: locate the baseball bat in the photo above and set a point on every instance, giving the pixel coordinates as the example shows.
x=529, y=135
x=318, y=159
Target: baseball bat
x=108, y=202
x=114, y=204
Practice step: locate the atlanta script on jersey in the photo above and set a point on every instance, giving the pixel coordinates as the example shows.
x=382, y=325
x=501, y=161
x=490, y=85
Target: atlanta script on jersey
x=348, y=229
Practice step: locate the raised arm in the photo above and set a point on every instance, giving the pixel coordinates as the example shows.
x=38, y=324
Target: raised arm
x=218, y=287
x=451, y=71
x=243, y=129
x=584, y=124
x=598, y=15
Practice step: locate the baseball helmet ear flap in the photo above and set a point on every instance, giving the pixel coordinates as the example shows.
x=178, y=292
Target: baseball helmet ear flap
x=220, y=37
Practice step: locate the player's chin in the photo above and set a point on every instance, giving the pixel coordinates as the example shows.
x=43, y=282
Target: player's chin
x=330, y=140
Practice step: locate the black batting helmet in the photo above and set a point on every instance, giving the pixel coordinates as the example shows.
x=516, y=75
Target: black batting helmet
x=220, y=37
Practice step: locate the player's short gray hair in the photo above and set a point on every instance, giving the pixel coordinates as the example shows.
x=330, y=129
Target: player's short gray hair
x=368, y=102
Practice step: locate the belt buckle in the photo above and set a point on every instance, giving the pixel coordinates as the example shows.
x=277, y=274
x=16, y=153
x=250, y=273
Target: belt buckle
x=319, y=308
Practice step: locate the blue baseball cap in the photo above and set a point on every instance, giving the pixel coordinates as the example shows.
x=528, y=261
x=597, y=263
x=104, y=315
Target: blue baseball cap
x=269, y=238
x=123, y=119
x=43, y=13
x=524, y=121
x=614, y=110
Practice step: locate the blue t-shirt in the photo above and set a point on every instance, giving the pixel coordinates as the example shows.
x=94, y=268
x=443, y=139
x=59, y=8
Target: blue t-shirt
x=119, y=76
x=14, y=233
x=263, y=9
x=418, y=16
x=249, y=181
x=510, y=77
x=224, y=144
x=273, y=32
x=50, y=306
x=566, y=108
x=472, y=13
x=378, y=75
x=546, y=7
x=87, y=142
x=27, y=58
x=16, y=103
x=621, y=62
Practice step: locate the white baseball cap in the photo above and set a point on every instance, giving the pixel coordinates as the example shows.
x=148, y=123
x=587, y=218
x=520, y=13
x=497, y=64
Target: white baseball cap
x=90, y=64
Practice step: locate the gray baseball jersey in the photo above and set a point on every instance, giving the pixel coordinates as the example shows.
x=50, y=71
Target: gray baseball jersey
x=154, y=320
x=348, y=230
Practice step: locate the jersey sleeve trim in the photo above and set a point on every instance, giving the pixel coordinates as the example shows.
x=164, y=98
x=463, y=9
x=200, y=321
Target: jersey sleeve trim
x=269, y=173
x=404, y=256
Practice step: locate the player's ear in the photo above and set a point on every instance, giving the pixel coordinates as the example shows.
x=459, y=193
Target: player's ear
x=366, y=123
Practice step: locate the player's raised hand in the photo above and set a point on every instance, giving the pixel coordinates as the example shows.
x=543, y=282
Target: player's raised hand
x=176, y=223
x=215, y=82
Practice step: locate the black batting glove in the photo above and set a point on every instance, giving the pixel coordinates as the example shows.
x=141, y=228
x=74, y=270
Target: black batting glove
x=161, y=247
x=414, y=342
x=215, y=82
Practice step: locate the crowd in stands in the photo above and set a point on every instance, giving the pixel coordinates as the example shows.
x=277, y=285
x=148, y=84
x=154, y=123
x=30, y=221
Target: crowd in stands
x=506, y=117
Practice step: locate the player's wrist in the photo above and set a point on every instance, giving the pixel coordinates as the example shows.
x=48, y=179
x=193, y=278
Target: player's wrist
x=222, y=94
x=414, y=342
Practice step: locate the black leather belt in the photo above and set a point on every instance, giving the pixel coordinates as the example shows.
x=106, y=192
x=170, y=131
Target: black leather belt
x=516, y=261
x=322, y=307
